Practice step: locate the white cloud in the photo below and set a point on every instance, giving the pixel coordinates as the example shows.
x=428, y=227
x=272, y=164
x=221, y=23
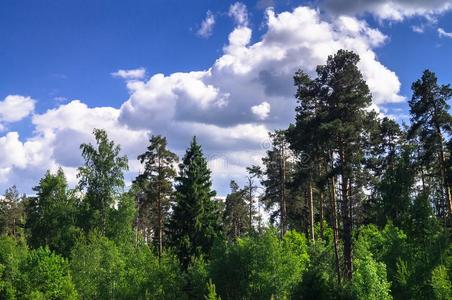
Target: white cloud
x=262, y=110
x=207, y=25
x=418, y=29
x=15, y=107
x=392, y=10
x=130, y=74
x=443, y=33
x=239, y=13
x=221, y=105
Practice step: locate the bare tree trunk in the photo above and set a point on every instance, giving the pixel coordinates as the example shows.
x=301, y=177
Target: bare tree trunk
x=160, y=225
x=446, y=188
x=335, y=227
x=421, y=170
x=159, y=210
x=311, y=212
x=283, y=192
x=321, y=213
x=346, y=218
x=250, y=194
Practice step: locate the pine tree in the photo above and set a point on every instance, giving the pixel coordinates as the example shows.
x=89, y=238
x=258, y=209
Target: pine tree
x=12, y=217
x=431, y=122
x=276, y=175
x=195, y=221
x=235, y=215
x=333, y=114
x=157, y=182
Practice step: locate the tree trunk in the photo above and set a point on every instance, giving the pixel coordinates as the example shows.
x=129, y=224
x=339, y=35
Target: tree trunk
x=283, y=192
x=160, y=225
x=346, y=218
x=321, y=213
x=311, y=212
x=335, y=227
x=250, y=181
x=446, y=188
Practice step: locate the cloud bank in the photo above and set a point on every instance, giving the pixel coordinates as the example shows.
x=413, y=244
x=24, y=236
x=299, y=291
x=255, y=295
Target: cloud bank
x=392, y=10
x=230, y=106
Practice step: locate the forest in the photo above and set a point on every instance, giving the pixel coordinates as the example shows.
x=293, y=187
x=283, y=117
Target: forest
x=346, y=204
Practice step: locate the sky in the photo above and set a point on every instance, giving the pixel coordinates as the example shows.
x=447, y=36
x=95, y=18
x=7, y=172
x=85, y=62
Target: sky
x=220, y=70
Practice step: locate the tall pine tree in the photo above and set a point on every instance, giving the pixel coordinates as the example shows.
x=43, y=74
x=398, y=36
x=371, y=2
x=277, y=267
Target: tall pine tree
x=236, y=215
x=157, y=182
x=431, y=123
x=335, y=105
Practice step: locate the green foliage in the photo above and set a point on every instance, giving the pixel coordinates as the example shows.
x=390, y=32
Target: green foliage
x=51, y=215
x=103, y=179
x=121, y=219
x=369, y=276
x=396, y=188
x=12, y=217
x=441, y=283
x=236, y=213
x=149, y=277
x=195, y=222
x=97, y=268
x=104, y=270
x=211, y=292
x=35, y=274
x=197, y=277
x=369, y=279
x=260, y=266
x=45, y=274
x=157, y=189
x=11, y=256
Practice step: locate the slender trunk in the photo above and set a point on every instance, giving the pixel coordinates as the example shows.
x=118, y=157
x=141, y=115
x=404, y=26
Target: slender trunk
x=250, y=181
x=321, y=213
x=335, y=227
x=347, y=226
x=159, y=228
x=159, y=208
x=421, y=170
x=311, y=212
x=446, y=188
x=283, y=192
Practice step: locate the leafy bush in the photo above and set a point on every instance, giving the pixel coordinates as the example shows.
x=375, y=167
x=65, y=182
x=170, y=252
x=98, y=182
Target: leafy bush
x=260, y=267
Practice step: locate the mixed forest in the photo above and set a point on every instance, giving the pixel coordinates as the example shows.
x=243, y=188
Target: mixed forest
x=346, y=204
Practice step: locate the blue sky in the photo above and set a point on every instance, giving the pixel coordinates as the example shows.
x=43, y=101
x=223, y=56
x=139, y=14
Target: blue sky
x=54, y=52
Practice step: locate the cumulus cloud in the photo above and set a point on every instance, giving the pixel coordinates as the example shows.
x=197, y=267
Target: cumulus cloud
x=222, y=105
x=130, y=74
x=15, y=107
x=393, y=10
x=262, y=110
x=206, y=28
x=443, y=33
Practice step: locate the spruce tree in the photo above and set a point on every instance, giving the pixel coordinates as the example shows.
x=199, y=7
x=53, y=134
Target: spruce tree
x=195, y=221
